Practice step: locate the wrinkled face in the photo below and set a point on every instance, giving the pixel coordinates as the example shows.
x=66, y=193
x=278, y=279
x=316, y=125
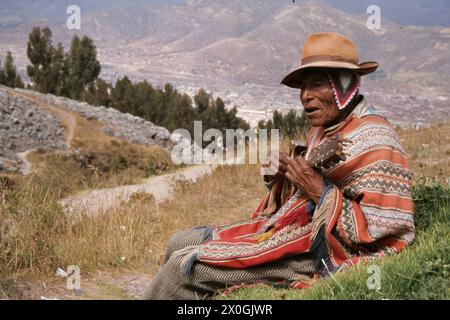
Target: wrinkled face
x=317, y=98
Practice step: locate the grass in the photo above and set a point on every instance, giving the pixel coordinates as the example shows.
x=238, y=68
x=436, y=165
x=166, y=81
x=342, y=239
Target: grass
x=34, y=232
x=420, y=272
x=134, y=235
x=36, y=237
x=429, y=152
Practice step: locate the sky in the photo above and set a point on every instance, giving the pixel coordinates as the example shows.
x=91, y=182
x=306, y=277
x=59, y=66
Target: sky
x=405, y=12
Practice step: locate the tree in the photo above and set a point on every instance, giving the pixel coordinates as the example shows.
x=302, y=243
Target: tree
x=83, y=67
x=145, y=107
x=169, y=108
x=98, y=93
x=58, y=71
x=8, y=74
x=169, y=94
x=290, y=127
x=73, y=81
x=182, y=114
x=221, y=115
x=261, y=124
x=123, y=96
x=277, y=119
x=201, y=101
x=159, y=104
x=301, y=122
x=234, y=122
x=269, y=126
x=39, y=52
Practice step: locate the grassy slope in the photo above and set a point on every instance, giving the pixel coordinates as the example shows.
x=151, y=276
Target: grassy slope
x=421, y=272
x=34, y=233
x=429, y=151
x=36, y=238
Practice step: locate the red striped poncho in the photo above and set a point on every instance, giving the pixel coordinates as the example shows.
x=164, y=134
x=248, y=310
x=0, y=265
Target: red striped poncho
x=366, y=212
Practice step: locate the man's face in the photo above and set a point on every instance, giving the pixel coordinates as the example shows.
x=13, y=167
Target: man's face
x=317, y=98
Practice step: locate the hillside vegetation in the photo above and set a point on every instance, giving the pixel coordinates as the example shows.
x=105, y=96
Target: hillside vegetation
x=423, y=270
x=36, y=237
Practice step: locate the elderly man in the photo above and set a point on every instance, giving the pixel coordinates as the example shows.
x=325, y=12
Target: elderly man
x=334, y=216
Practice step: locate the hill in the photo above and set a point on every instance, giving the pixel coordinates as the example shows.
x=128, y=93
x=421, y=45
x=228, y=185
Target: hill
x=241, y=49
x=55, y=151
x=104, y=147
x=120, y=251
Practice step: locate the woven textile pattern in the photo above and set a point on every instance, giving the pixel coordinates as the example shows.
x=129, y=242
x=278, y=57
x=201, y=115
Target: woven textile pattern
x=368, y=211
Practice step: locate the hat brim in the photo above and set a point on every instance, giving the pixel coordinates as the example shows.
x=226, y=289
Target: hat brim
x=293, y=78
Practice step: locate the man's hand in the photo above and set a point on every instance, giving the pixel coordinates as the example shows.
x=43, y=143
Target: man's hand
x=275, y=166
x=300, y=173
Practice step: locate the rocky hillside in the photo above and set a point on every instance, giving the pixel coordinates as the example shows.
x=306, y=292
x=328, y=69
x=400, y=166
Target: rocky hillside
x=28, y=121
x=117, y=124
x=24, y=126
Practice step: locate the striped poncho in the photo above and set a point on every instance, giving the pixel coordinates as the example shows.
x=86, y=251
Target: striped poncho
x=365, y=212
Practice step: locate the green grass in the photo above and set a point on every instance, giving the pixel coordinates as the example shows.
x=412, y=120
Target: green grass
x=419, y=272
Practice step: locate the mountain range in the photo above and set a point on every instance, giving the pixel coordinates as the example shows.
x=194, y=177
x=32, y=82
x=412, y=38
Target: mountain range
x=241, y=49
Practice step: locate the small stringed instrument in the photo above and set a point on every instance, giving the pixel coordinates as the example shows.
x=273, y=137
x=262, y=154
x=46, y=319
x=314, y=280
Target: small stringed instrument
x=325, y=155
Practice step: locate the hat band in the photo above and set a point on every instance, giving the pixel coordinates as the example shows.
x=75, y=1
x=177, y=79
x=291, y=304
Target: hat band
x=327, y=58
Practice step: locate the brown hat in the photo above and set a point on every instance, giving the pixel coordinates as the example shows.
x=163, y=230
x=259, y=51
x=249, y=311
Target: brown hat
x=328, y=50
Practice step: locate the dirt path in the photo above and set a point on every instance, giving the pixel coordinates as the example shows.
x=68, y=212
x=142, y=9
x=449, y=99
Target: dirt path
x=101, y=200
x=26, y=167
x=96, y=286
x=67, y=117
